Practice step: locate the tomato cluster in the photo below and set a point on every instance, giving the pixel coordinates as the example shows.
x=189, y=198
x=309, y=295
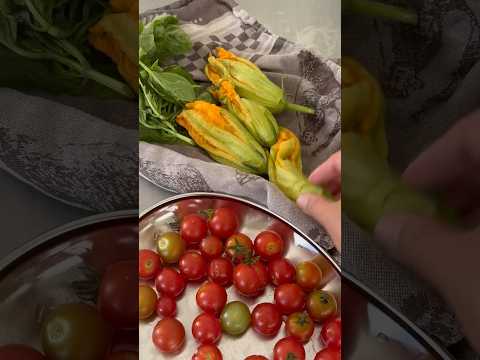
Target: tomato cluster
x=214, y=254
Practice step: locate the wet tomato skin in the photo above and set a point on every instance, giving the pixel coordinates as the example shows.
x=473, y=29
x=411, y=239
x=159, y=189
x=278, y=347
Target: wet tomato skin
x=331, y=333
x=166, y=306
x=220, y=271
x=250, y=280
x=149, y=264
x=266, y=319
x=309, y=275
x=300, y=326
x=206, y=329
x=147, y=300
x=211, y=247
x=289, y=298
x=321, y=305
x=238, y=247
x=269, y=245
x=224, y=222
x=207, y=352
x=168, y=335
x=281, y=271
x=193, y=266
x=211, y=298
x=328, y=354
x=288, y=348
x=170, y=282
x=193, y=229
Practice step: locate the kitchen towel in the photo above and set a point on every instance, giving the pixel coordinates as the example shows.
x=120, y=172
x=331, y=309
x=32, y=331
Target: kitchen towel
x=307, y=78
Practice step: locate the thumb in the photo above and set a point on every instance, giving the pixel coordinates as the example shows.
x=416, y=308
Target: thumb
x=421, y=244
x=324, y=211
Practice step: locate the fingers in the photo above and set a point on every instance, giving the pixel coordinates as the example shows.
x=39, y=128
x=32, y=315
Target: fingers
x=453, y=156
x=328, y=174
x=325, y=212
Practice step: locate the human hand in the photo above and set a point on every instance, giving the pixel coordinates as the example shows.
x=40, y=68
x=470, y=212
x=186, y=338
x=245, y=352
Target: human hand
x=326, y=212
x=445, y=255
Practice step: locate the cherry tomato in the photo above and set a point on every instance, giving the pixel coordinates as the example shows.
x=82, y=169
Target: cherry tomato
x=328, y=354
x=76, y=332
x=223, y=223
x=266, y=319
x=211, y=247
x=193, y=206
x=289, y=298
x=211, y=298
x=300, y=326
x=193, y=266
x=149, y=264
x=123, y=355
x=309, y=275
x=331, y=333
x=269, y=245
x=288, y=349
x=168, y=335
x=321, y=305
x=206, y=329
x=20, y=352
x=193, y=229
x=256, y=357
x=235, y=318
x=170, y=282
x=220, y=271
x=250, y=280
x=281, y=271
x=207, y=352
x=170, y=247
x=239, y=247
x=166, y=306
x=147, y=299
x=117, y=300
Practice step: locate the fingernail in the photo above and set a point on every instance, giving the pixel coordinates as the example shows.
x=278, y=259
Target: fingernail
x=302, y=201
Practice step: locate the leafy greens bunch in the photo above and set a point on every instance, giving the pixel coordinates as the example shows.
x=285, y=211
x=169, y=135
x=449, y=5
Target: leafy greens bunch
x=164, y=90
x=55, y=31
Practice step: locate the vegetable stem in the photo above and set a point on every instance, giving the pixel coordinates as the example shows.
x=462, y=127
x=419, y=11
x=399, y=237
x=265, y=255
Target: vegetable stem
x=300, y=108
x=381, y=10
x=46, y=26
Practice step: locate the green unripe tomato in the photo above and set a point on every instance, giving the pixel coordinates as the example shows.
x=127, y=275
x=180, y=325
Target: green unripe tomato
x=235, y=318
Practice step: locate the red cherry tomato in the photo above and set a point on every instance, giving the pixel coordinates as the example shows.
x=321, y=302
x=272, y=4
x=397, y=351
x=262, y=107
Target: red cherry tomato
x=170, y=282
x=223, y=223
x=281, y=271
x=117, y=299
x=300, y=326
x=289, y=298
x=193, y=266
x=239, y=247
x=321, y=305
x=331, y=333
x=266, y=319
x=256, y=357
x=168, y=335
x=211, y=247
x=166, y=306
x=328, y=354
x=193, y=206
x=250, y=280
x=149, y=264
x=211, y=298
x=207, y=352
x=269, y=245
x=20, y=352
x=206, y=329
x=193, y=229
x=220, y=271
x=309, y=275
x=288, y=349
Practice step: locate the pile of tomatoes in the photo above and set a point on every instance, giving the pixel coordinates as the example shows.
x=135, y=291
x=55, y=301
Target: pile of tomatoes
x=211, y=251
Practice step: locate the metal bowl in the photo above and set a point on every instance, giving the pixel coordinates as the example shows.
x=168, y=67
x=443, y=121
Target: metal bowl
x=372, y=324
x=62, y=266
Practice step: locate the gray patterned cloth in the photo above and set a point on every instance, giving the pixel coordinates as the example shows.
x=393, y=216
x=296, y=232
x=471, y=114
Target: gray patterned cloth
x=307, y=79
x=80, y=151
x=430, y=76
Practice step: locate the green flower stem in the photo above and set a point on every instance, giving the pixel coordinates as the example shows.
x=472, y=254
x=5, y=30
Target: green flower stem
x=46, y=26
x=381, y=10
x=299, y=108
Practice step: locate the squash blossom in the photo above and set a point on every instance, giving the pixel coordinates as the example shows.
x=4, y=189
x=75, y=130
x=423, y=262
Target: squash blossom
x=256, y=117
x=249, y=81
x=363, y=108
x=285, y=167
x=223, y=137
